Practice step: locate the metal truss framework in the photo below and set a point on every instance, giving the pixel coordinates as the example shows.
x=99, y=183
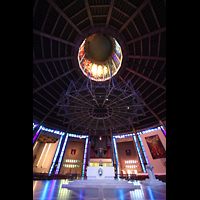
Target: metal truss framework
x=60, y=26
x=94, y=107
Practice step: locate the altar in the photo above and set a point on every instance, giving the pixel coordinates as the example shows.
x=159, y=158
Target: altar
x=100, y=172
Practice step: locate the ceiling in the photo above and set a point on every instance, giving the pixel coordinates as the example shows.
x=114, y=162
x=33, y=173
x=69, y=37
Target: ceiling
x=60, y=26
x=47, y=139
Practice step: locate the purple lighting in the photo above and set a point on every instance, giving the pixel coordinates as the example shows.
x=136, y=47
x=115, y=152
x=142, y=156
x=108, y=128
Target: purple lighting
x=163, y=130
x=85, y=155
x=37, y=133
x=61, y=154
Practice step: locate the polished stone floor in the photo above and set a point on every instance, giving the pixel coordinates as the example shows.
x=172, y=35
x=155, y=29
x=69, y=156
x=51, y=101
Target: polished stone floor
x=52, y=189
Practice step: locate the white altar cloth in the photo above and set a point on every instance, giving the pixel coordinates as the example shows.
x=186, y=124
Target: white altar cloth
x=108, y=173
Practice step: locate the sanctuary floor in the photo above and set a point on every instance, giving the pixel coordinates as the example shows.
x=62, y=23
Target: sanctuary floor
x=52, y=189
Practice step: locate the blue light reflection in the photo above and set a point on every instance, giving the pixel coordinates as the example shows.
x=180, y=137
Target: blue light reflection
x=44, y=191
x=52, y=189
x=150, y=192
x=121, y=195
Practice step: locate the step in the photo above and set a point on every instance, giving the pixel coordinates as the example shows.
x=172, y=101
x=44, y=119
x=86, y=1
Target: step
x=100, y=183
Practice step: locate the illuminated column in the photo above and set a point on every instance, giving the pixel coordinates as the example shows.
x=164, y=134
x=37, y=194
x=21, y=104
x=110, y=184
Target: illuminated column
x=163, y=130
x=143, y=149
x=61, y=154
x=139, y=154
x=116, y=157
x=111, y=149
x=56, y=155
x=111, y=146
x=85, y=155
x=140, y=148
x=37, y=132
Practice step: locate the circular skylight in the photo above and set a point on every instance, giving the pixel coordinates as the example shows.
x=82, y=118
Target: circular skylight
x=100, y=57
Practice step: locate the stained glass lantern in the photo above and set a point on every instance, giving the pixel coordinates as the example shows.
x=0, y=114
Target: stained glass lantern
x=100, y=57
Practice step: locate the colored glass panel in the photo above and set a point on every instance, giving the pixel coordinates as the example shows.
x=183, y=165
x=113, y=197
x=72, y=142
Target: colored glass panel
x=101, y=72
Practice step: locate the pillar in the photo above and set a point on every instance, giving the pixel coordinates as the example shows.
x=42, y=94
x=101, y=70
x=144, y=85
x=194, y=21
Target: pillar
x=141, y=151
x=111, y=147
x=116, y=156
x=36, y=134
x=62, y=153
x=139, y=146
x=57, y=153
x=139, y=154
x=85, y=155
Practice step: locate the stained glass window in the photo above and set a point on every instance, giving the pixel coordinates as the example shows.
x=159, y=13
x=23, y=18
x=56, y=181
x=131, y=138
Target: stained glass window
x=103, y=71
